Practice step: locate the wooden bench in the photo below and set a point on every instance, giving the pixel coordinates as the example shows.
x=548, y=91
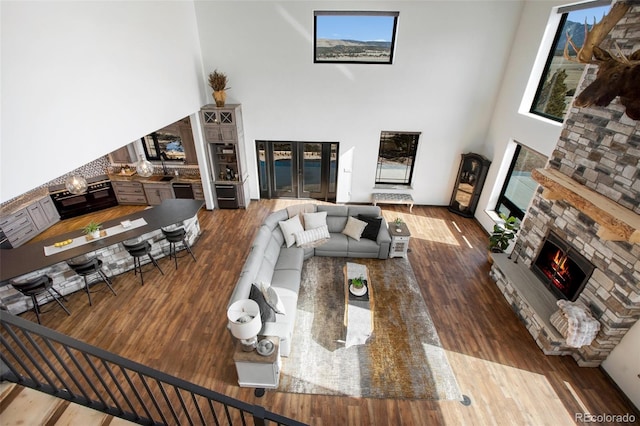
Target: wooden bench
x=392, y=198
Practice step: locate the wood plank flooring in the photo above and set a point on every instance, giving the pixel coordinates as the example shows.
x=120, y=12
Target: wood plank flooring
x=177, y=323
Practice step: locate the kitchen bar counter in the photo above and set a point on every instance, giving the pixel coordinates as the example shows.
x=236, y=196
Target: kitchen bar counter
x=30, y=257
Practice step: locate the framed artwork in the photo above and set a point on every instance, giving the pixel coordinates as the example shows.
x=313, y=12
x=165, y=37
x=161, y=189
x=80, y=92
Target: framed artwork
x=354, y=37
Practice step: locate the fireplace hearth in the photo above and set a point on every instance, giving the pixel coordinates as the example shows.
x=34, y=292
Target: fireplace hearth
x=562, y=268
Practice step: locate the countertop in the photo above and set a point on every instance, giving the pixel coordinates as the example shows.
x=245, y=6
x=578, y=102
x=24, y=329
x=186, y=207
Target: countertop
x=30, y=257
x=24, y=201
x=154, y=179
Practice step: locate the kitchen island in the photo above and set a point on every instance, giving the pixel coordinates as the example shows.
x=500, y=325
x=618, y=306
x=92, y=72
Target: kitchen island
x=29, y=260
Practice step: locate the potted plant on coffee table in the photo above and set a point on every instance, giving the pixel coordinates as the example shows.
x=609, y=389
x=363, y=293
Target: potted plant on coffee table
x=502, y=234
x=92, y=229
x=358, y=286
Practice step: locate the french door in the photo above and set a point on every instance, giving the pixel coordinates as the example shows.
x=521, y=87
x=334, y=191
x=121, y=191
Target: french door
x=297, y=169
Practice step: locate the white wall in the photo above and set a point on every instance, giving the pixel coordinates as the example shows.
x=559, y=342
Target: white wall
x=508, y=124
x=623, y=364
x=80, y=79
x=447, y=71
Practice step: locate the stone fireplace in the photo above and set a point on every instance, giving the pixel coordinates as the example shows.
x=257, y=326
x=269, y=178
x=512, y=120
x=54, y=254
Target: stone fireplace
x=589, y=199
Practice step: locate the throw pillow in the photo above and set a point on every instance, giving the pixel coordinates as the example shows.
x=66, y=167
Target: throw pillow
x=289, y=227
x=315, y=220
x=354, y=228
x=267, y=314
x=373, y=227
x=313, y=237
x=272, y=298
x=299, y=210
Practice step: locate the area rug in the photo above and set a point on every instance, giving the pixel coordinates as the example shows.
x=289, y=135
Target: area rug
x=403, y=358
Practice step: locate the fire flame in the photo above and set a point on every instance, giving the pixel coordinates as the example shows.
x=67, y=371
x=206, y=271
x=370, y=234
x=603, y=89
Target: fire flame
x=560, y=268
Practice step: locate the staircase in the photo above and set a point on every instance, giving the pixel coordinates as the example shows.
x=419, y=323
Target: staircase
x=25, y=406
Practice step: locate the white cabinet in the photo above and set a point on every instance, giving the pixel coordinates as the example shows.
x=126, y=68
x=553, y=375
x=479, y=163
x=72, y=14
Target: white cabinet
x=400, y=237
x=255, y=370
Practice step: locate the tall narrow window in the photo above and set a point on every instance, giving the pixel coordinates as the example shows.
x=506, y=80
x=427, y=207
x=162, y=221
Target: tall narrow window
x=519, y=186
x=560, y=78
x=396, y=158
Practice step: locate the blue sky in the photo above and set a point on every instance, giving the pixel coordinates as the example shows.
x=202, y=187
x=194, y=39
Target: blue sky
x=367, y=28
x=597, y=12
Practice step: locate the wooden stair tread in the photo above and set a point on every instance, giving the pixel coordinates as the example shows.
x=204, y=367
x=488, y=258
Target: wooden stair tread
x=76, y=414
x=29, y=407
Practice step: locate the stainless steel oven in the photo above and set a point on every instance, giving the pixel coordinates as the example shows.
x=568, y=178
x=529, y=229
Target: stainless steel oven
x=99, y=196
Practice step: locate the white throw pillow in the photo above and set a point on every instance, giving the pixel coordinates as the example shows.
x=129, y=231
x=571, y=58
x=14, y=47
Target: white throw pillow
x=354, y=228
x=289, y=228
x=312, y=237
x=315, y=220
x=272, y=298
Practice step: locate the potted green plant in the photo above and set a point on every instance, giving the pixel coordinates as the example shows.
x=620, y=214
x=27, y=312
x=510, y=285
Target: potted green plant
x=358, y=287
x=218, y=82
x=503, y=233
x=397, y=222
x=93, y=229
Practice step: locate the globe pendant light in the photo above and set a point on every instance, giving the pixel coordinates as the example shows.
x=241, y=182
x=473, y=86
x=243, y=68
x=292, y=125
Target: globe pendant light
x=144, y=167
x=76, y=184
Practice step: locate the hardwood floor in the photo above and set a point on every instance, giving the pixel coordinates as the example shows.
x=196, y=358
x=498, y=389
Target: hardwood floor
x=177, y=323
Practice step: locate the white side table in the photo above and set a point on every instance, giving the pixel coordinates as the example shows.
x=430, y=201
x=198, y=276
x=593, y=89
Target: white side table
x=400, y=237
x=257, y=371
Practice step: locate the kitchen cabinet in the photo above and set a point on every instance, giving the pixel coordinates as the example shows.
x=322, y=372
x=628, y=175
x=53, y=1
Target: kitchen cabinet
x=18, y=227
x=129, y=192
x=29, y=220
x=43, y=213
x=222, y=129
x=471, y=176
x=156, y=192
x=198, y=191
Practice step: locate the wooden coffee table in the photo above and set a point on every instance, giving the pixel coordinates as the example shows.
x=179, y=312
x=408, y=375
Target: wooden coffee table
x=358, y=311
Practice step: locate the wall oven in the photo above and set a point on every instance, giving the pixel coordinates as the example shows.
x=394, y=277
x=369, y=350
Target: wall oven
x=99, y=196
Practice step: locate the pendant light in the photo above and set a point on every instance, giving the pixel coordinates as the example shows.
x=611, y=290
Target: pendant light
x=76, y=184
x=144, y=167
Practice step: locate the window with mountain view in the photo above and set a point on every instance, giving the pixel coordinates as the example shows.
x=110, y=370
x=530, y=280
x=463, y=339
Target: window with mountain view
x=560, y=78
x=354, y=37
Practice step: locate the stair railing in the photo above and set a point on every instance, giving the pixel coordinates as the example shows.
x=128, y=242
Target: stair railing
x=43, y=359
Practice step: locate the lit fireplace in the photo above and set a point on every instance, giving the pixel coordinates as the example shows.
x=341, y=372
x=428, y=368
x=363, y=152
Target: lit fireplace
x=561, y=268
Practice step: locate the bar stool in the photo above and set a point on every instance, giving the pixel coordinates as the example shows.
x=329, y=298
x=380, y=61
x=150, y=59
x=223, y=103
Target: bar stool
x=37, y=286
x=176, y=236
x=138, y=250
x=90, y=267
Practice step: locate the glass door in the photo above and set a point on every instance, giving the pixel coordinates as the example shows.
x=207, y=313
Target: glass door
x=297, y=169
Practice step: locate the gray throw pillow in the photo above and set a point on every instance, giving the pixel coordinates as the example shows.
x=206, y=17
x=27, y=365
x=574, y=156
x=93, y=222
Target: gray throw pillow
x=267, y=314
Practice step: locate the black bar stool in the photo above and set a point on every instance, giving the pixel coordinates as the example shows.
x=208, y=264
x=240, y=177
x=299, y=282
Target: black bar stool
x=90, y=267
x=37, y=286
x=176, y=236
x=138, y=250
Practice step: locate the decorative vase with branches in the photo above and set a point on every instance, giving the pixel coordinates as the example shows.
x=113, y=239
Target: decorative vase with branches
x=218, y=82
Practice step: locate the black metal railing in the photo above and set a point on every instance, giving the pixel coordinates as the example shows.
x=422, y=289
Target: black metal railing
x=40, y=358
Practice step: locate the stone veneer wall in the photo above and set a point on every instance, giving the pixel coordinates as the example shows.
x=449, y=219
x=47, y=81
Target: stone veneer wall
x=599, y=147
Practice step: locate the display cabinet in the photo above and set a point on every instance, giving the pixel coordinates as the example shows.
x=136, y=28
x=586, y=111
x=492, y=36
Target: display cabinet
x=471, y=176
x=222, y=129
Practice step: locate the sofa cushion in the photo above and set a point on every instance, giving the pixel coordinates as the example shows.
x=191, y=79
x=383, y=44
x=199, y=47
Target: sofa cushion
x=267, y=314
x=373, y=227
x=336, y=246
x=363, y=247
x=373, y=211
x=290, y=258
x=274, y=218
x=354, y=228
x=314, y=220
x=287, y=279
x=290, y=228
x=312, y=237
x=336, y=223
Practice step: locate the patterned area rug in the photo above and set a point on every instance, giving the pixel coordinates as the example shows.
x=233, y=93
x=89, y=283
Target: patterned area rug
x=403, y=358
